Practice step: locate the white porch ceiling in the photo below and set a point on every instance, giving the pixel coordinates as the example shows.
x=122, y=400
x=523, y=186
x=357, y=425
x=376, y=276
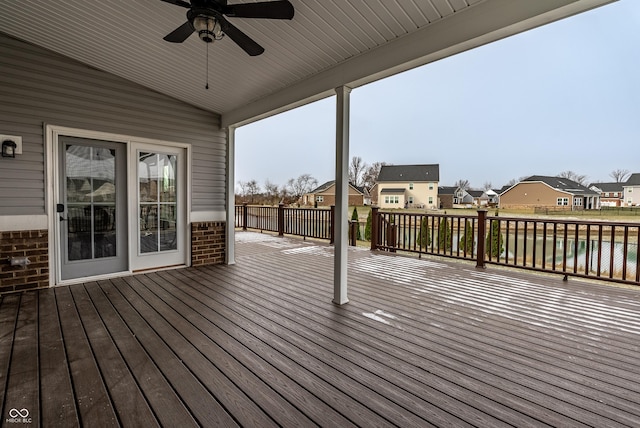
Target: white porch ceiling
x=327, y=44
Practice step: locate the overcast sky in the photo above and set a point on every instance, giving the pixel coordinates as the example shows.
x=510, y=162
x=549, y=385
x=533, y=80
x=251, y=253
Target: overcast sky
x=565, y=96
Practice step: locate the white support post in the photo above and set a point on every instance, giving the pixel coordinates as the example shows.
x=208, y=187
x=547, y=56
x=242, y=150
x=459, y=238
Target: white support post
x=230, y=238
x=342, y=196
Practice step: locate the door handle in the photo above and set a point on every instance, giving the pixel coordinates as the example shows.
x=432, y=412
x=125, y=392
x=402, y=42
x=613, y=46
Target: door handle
x=60, y=209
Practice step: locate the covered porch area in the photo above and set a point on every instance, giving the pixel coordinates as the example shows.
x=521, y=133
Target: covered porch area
x=421, y=343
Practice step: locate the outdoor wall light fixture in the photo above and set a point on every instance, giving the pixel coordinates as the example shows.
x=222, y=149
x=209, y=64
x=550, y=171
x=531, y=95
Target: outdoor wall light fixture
x=8, y=149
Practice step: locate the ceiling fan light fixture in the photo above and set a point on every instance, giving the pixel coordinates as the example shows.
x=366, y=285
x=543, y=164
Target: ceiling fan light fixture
x=208, y=28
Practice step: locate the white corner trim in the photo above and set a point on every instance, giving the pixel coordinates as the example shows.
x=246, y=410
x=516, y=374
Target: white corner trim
x=9, y=223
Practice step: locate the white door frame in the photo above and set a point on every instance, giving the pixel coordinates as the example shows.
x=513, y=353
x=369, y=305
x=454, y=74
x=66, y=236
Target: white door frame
x=52, y=132
x=138, y=261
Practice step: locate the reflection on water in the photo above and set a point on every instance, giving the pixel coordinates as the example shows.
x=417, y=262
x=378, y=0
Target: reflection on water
x=581, y=254
x=585, y=256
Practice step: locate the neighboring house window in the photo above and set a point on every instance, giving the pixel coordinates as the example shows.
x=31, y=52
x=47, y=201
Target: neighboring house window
x=430, y=186
x=386, y=199
x=606, y=195
x=410, y=186
x=410, y=199
x=430, y=199
x=396, y=199
x=577, y=201
x=319, y=198
x=563, y=201
x=630, y=190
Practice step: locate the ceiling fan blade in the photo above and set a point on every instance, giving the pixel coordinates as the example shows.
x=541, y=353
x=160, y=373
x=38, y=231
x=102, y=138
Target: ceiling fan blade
x=281, y=9
x=180, y=34
x=178, y=3
x=241, y=39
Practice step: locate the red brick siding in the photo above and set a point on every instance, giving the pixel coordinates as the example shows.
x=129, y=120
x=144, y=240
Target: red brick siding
x=208, y=243
x=25, y=243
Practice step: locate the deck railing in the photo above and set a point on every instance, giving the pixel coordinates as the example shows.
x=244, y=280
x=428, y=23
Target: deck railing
x=305, y=222
x=590, y=249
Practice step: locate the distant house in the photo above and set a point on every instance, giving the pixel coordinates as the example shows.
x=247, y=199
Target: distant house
x=632, y=191
x=480, y=198
x=452, y=197
x=446, y=195
x=373, y=195
x=611, y=194
x=408, y=186
x=540, y=191
x=493, y=197
x=325, y=195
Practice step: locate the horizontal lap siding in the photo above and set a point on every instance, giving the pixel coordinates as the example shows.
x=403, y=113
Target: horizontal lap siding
x=39, y=87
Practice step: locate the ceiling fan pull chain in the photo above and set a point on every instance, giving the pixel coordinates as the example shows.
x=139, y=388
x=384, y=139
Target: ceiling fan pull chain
x=207, y=85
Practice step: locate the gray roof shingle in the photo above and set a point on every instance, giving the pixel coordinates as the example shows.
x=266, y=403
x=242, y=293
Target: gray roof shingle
x=447, y=190
x=608, y=187
x=634, y=180
x=330, y=183
x=411, y=173
x=563, y=184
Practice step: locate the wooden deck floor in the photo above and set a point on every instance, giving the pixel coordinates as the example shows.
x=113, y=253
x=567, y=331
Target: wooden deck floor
x=259, y=344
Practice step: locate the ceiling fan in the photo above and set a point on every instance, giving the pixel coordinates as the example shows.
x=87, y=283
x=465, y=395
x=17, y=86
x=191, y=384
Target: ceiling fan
x=207, y=18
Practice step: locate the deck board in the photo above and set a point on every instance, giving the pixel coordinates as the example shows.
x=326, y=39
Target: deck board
x=58, y=409
x=9, y=310
x=185, y=383
x=227, y=352
x=92, y=398
x=269, y=341
x=355, y=339
x=126, y=369
x=22, y=381
x=422, y=342
x=236, y=343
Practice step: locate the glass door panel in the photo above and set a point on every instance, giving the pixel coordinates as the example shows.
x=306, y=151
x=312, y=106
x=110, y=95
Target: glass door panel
x=158, y=202
x=93, y=222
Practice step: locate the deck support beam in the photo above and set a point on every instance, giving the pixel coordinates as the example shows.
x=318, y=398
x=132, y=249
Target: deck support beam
x=230, y=237
x=342, y=196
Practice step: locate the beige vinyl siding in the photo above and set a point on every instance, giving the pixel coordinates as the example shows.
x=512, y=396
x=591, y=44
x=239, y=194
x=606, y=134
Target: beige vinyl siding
x=38, y=87
x=533, y=194
x=420, y=193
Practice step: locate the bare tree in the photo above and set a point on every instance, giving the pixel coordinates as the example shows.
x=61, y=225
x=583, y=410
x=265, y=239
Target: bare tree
x=252, y=188
x=370, y=176
x=462, y=184
x=301, y=185
x=356, y=171
x=242, y=188
x=515, y=181
x=570, y=175
x=284, y=195
x=486, y=186
x=620, y=175
x=271, y=191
